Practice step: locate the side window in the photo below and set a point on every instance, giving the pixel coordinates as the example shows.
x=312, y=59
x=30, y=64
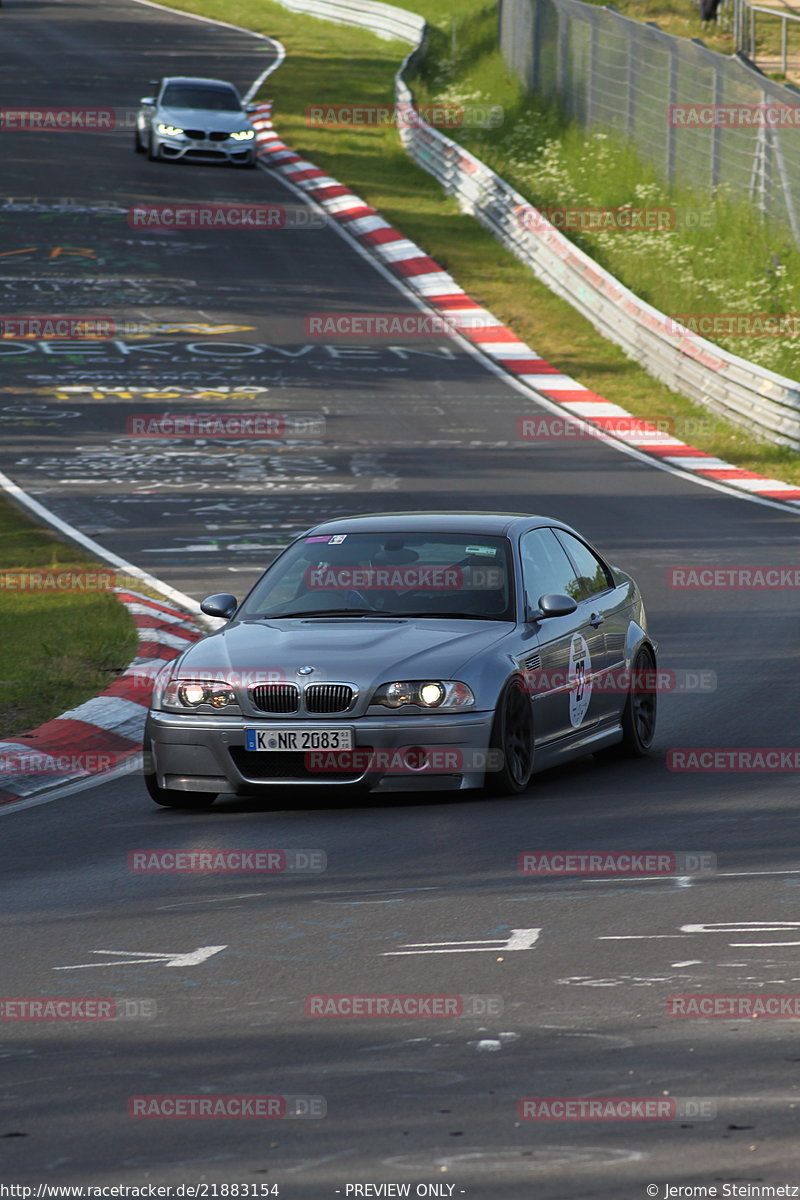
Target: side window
x=592, y=575
x=545, y=566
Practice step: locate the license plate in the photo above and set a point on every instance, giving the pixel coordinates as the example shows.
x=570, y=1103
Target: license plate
x=311, y=738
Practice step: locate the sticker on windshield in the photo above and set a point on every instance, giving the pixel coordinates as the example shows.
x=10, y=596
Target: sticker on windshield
x=580, y=683
x=488, y=551
x=318, y=539
x=337, y=539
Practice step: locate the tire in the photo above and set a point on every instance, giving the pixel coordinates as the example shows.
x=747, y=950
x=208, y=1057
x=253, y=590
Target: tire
x=137, y=145
x=165, y=796
x=512, y=741
x=639, y=715
x=152, y=152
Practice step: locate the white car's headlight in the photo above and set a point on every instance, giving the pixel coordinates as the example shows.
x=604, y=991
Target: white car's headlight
x=169, y=130
x=425, y=693
x=186, y=695
x=244, y=135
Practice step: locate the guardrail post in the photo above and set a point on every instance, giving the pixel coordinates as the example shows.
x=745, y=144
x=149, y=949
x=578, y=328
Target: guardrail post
x=590, y=104
x=631, y=94
x=534, y=73
x=563, y=46
x=786, y=191
x=716, y=132
x=758, y=189
x=672, y=95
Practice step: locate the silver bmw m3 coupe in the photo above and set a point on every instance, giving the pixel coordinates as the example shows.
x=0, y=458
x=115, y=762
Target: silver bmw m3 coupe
x=440, y=650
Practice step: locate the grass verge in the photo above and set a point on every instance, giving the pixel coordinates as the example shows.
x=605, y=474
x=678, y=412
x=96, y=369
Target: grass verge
x=329, y=64
x=57, y=648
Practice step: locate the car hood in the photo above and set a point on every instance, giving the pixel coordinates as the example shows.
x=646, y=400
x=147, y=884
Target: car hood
x=361, y=651
x=203, y=118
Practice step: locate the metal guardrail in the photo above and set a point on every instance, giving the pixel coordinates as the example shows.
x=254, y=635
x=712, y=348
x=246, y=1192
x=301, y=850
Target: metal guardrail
x=749, y=395
x=385, y=20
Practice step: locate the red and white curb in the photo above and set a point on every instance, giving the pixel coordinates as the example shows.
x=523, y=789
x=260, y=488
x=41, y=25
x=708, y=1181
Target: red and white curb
x=105, y=732
x=439, y=291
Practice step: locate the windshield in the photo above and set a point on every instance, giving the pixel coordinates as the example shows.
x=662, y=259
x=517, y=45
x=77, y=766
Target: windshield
x=218, y=99
x=396, y=575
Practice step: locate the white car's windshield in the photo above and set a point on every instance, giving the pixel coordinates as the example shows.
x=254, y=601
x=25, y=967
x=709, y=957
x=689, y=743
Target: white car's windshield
x=211, y=99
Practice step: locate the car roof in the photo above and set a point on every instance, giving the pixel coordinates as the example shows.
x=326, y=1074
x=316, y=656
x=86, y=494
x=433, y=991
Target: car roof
x=459, y=521
x=196, y=79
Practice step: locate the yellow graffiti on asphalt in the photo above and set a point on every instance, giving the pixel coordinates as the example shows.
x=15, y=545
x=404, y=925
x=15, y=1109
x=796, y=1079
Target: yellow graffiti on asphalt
x=98, y=393
x=55, y=251
x=202, y=328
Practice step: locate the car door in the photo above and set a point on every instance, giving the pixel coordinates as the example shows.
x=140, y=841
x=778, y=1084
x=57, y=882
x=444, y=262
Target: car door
x=604, y=608
x=558, y=671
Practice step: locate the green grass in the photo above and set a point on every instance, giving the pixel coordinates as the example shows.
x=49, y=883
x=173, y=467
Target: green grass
x=721, y=257
x=328, y=63
x=57, y=648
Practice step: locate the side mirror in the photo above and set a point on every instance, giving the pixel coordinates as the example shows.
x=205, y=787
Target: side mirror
x=556, y=604
x=148, y=100
x=222, y=604
x=250, y=107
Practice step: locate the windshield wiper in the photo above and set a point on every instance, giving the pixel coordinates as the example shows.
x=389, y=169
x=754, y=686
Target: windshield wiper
x=375, y=612
x=325, y=612
x=452, y=615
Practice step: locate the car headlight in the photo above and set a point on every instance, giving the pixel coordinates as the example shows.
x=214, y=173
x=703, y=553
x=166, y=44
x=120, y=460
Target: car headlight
x=184, y=695
x=425, y=693
x=169, y=130
x=244, y=135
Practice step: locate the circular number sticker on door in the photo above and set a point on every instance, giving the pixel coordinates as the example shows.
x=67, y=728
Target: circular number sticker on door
x=580, y=683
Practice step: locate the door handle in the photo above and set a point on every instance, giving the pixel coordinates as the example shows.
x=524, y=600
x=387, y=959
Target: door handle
x=596, y=619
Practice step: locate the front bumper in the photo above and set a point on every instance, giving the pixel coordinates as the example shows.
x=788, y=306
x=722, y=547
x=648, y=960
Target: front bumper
x=197, y=150
x=207, y=754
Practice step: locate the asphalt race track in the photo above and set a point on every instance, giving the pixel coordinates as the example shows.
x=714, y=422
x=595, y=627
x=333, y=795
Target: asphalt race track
x=367, y=426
